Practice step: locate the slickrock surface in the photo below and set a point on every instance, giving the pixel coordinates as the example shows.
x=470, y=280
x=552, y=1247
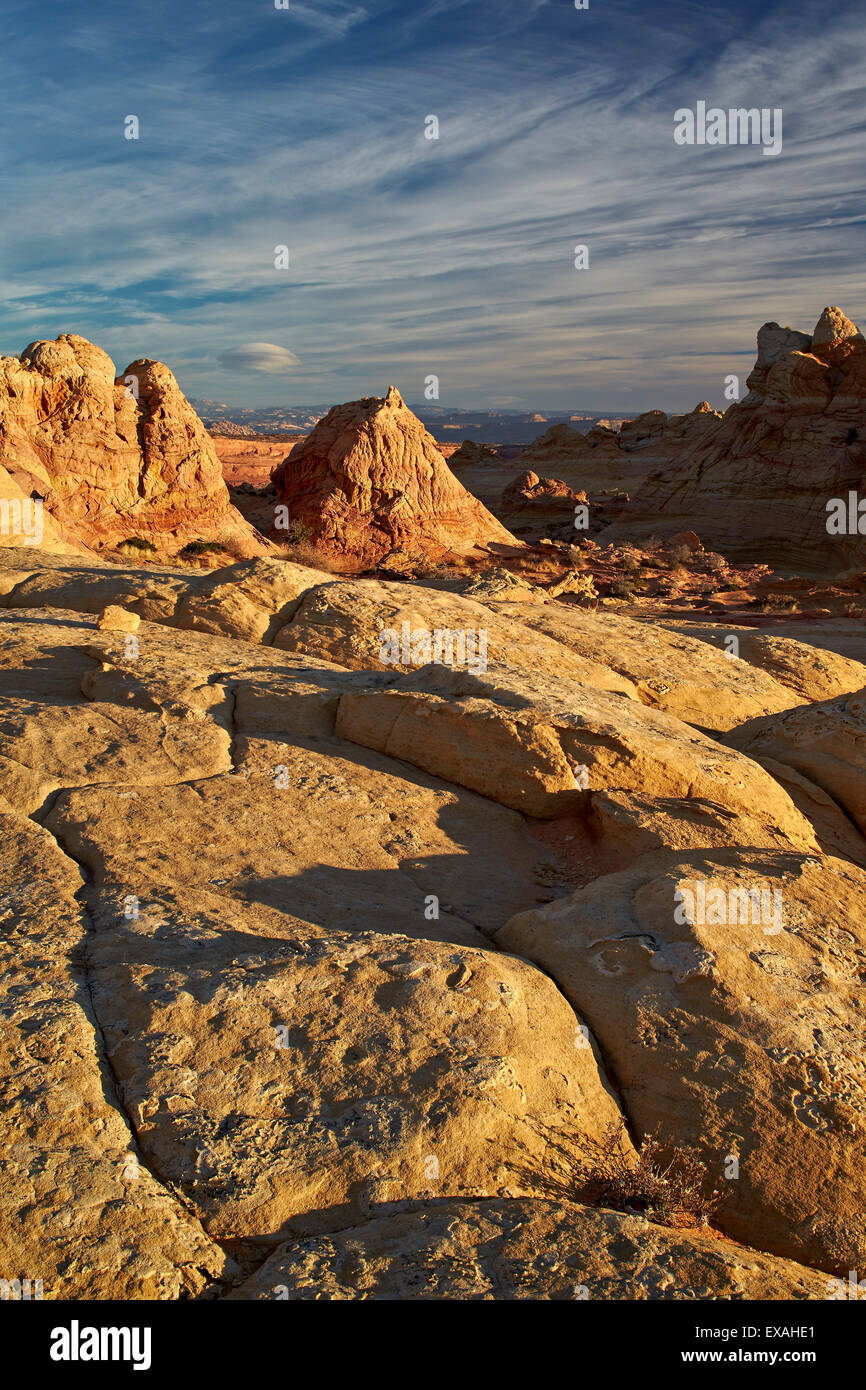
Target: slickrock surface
x=523, y=1249
x=540, y=744
x=369, y=480
x=308, y=941
x=825, y=742
x=345, y=622
x=674, y=673
x=114, y=458
x=81, y=1208
x=758, y=483
x=743, y=1038
x=812, y=670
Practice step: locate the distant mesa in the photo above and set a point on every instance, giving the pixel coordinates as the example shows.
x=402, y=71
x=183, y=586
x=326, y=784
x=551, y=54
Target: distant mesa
x=370, y=480
x=112, y=459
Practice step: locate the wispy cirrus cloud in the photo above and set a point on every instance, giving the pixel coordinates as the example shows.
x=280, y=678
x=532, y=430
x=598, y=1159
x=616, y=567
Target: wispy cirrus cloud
x=410, y=256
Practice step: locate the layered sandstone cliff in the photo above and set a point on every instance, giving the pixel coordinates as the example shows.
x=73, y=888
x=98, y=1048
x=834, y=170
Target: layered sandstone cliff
x=758, y=484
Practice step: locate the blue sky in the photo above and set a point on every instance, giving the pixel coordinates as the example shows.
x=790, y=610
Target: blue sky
x=408, y=256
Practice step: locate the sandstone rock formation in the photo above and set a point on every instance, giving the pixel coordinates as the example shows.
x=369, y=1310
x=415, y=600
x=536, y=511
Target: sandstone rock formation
x=540, y=743
x=472, y=452
x=758, y=483
x=335, y=951
x=737, y=1031
x=369, y=480
x=825, y=742
x=528, y=491
x=668, y=671
x=525, y=1249
x=812, y=672
x=366, y=624
x=112, y=459
x=606, y=460
x=77, y=1194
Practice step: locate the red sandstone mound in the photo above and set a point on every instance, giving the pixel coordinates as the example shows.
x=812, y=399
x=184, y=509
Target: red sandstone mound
x=370, y=480
x=529, y=491
x=114, y=459
x=757, y=484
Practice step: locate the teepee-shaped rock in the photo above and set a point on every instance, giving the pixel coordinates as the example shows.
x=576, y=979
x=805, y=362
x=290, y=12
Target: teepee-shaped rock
x=369, y=479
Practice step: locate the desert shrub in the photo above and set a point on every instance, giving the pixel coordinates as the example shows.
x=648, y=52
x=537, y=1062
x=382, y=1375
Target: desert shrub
x=316, y=560
x=201, y=547
x=681, y=554
x=621, y=588
x=667, y=1184
x=715, y=562
x=297, y=533
x=440, y=574
x=137, y=543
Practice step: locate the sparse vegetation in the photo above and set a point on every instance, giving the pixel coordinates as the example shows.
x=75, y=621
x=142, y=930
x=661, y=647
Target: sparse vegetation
x=667, y=1184
x=314, y=559
x=622, y=588
x=714, y=562
x=137, y=543
x=681, y=555
x=201, y=547
x=297, y=533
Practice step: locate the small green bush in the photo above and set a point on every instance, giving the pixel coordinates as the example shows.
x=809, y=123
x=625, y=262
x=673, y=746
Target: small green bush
x=297, y=533
x=201, y=547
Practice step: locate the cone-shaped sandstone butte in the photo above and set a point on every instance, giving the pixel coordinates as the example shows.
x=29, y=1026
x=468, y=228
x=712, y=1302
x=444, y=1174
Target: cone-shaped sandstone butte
x=369, y=479
x=112, y=458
